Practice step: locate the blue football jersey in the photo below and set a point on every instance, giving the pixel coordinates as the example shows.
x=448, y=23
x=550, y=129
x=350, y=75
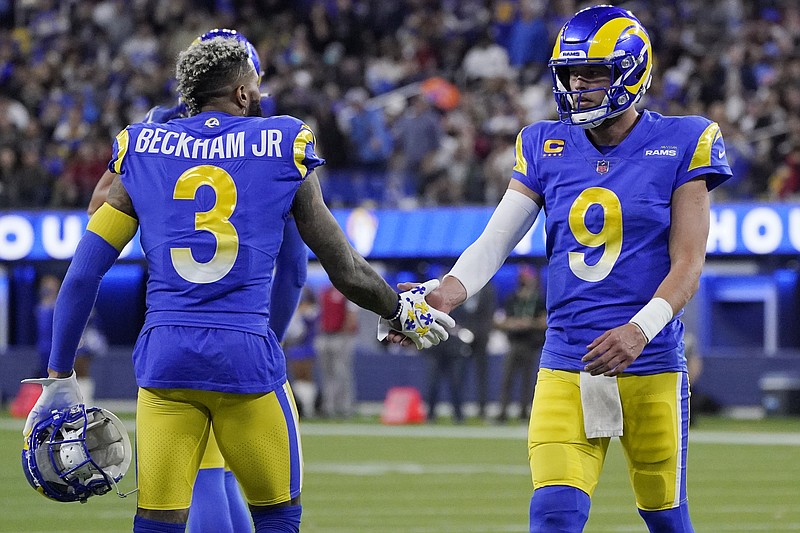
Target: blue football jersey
x=607, y=226
x=212, y=193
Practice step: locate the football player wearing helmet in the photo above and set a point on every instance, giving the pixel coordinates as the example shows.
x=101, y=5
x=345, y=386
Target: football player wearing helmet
x=211, y=194
x=627, y=200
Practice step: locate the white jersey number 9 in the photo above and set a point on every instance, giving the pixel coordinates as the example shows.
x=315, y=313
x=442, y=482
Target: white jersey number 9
x=609, y=236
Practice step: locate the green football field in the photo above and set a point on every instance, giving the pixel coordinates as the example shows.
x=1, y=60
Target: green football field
x=744, y=476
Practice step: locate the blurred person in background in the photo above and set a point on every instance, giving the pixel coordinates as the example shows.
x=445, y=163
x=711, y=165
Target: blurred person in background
x=369, y=135
x=9, y=167
x=75, y=186
x=335, y=345
x=524, y=323
x=417, y=134
x=529, y=44
x=448, y=364
x=93, y=344
x=34, y=183
x=702, y=403
x=476, y=316
x=49, y=286
x=784, y=184
x=301, y=355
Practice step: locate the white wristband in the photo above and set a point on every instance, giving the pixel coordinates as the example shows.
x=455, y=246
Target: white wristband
x=652, y=318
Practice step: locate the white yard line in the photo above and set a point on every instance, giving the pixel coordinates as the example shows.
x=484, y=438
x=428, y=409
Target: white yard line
x=487, y=432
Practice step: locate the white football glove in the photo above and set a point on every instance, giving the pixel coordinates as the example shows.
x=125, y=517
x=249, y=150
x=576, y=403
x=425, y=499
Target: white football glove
x=417, y=320
x=57, y=393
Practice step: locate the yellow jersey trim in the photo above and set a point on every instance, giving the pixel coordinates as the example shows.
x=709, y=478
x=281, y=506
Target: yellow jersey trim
x=113, y=226
x=123, y=139
x=304, y=137
x=702, y=154
x=521, y=165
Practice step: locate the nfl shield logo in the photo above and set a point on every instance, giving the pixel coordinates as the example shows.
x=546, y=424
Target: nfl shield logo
x=602, y=167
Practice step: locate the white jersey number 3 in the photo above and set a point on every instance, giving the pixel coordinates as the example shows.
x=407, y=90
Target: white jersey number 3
x=215, y=221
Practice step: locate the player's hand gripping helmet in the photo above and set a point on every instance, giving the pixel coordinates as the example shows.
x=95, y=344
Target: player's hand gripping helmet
x=233, y=34
x=76, y=453
x=601, y=35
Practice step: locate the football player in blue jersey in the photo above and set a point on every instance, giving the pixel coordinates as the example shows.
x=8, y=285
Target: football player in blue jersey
x=211, y=194
x=215, y=484
x=626, y=194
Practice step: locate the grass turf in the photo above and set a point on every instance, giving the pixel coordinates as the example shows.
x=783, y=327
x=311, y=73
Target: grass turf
x=367, y=478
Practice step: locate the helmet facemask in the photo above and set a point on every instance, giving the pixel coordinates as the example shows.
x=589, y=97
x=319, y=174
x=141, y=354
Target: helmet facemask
x=621, y=36
x=77, y=453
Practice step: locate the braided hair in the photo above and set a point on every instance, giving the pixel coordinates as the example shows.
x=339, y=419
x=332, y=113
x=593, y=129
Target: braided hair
x=207, y=69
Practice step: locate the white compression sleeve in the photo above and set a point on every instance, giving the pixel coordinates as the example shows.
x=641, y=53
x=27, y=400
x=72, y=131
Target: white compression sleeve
x=511, y=220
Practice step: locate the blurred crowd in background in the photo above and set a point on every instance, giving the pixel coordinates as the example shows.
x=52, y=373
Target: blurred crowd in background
x=414, y=102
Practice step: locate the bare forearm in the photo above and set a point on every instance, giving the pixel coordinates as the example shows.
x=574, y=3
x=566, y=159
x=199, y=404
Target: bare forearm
x=680, y=284
x=349, y=272
x=687, y=244
x=353, y=277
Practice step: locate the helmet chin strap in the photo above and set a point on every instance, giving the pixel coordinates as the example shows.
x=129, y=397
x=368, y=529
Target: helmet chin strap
x=119, y=492
x=584, y=120
x=591, y=118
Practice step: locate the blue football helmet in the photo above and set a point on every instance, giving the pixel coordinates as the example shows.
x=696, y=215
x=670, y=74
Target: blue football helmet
x=233, y=34
x=76, y=453
x=608, y=36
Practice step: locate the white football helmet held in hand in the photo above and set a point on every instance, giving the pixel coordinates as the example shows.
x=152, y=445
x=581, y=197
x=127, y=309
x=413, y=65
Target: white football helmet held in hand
x=76, y=453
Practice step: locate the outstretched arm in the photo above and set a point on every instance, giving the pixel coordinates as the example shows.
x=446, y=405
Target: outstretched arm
x=407, y=313
x=511, y=220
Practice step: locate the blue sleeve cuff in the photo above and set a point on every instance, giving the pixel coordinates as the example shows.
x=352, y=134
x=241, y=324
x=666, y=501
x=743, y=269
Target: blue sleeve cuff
x=93, y=257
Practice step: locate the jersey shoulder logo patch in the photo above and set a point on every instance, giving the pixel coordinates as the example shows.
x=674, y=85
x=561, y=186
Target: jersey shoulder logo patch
x=553, y=147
